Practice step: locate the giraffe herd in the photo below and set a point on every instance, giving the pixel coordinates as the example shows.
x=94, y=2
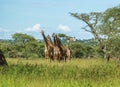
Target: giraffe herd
x=55, y=50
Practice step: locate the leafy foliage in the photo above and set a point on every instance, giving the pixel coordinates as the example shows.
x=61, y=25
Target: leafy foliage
x=24, y=46
x=105, y=26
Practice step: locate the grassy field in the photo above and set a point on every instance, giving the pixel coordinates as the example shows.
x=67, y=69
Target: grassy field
x=74, y=73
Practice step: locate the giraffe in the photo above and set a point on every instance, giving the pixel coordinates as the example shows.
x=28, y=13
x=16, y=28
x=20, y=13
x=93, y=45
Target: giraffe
x=49, y=38
x=69, y=51
x=56, y=49
x=48, y=47
x=51, y=50
x=46, y=52
x=63, y=50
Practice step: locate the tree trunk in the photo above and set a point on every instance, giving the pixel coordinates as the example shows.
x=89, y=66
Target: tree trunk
x=2, y=59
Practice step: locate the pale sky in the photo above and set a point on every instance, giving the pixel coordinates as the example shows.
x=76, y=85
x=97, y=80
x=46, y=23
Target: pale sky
x=30, y=16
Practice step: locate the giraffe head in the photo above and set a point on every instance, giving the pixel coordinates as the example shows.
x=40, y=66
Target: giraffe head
x=42, y=32
x=53, y=35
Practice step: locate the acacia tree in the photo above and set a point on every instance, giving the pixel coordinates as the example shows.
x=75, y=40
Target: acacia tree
x=110, y=27
x=22, y=42
x=111, y=21
x=105, y=27
x=2, y=59
x=92, y=20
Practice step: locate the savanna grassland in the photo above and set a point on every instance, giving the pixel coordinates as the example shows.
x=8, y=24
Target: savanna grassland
x=74, y=73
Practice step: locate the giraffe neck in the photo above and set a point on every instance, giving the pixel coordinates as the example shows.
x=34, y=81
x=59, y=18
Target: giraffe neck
x=55, y=43
x=59, y=43
x=45, y=39
x=50, y=40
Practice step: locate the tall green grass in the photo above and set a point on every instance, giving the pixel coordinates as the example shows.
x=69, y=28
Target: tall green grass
x=75, y=73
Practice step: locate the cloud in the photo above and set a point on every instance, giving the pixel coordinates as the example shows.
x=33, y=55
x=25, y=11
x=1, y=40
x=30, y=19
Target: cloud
x=4, y=30
x=34, y=28
x=63, y=28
